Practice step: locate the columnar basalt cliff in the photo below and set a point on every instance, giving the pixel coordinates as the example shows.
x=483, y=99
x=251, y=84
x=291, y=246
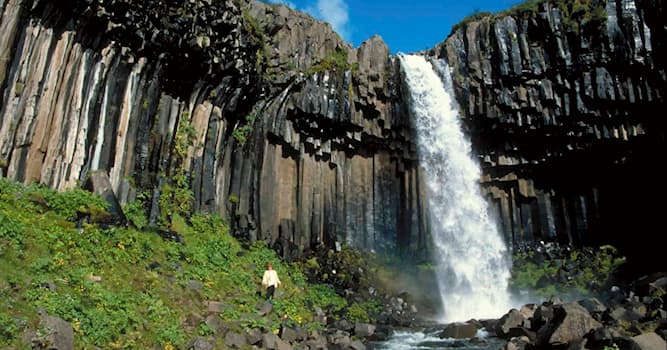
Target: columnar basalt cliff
x=269, y=118
x=263, y=112
x=564, y=103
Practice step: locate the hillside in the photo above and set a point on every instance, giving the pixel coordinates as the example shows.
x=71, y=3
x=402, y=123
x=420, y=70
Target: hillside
x=127, y=288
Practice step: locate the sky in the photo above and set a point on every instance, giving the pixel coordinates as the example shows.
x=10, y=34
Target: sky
x=406, y=26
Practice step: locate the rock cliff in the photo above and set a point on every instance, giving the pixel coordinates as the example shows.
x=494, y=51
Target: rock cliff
x=563, y=102
x=263, y=114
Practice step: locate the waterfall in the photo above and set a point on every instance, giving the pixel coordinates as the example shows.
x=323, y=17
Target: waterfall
x=471, y=257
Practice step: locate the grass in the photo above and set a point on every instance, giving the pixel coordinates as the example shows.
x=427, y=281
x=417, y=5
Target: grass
x=128, y=288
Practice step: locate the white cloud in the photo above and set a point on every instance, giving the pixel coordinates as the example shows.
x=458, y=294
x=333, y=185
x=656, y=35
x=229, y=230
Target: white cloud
x=336, y=13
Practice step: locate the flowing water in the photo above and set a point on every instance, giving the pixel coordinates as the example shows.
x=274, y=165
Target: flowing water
x=431, y=341
x=471, y=256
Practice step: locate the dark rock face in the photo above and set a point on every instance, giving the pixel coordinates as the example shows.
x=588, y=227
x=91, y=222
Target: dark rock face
x=296, y=136
x=563, y=117
x=302, y=140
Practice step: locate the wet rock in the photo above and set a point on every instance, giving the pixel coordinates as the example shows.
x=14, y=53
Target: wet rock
x=364, y=330
x=512, y=319
x=459, y=330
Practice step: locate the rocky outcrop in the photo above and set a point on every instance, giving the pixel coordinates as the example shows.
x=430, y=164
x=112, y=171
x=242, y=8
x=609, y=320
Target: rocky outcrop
x=264, y=113
x=589, y=323
x=337, y=161
x=561, y=100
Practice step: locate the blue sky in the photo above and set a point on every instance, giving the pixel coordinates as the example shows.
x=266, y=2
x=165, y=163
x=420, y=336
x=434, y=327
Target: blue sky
x=406, y=26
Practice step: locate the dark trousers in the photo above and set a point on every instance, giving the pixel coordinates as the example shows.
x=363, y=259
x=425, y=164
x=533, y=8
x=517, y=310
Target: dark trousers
x=269, y=292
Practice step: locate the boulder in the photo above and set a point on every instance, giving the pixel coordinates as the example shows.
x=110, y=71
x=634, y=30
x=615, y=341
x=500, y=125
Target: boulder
x=649, y=341
x=254, y=336
x=340, y=338
x=216, y=324
x=264, y=308
x=289, y=334
x=543, y=315
x=382, y=333
x=528, y=310
x=357, y=345
x=233, y=339
x=364, y=330
x=200, y=343
x=270, y=341
x=510, y=320
x=214, y=307
x=519, y=343
x=459, y=330
x=282, y=345
x=571, y=322
x=55, y=334
x=316, y=342
x=522, y=332
x=593, y=306
x=99, y=183
x=344, y=325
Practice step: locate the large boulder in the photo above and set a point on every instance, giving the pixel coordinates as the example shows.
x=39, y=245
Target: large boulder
x=510, y=320
x=649, y=341
x=99, y=183
x=570, y=324
x=364, y=330
x=289, y=334
x=270, y=341
x=235, y=340
x=459, y=330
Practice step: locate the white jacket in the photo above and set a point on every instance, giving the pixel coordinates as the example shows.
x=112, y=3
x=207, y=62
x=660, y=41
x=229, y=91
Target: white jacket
x=270, y=278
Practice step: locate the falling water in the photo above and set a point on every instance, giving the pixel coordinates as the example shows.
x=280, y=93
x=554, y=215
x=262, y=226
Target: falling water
x=472, y=261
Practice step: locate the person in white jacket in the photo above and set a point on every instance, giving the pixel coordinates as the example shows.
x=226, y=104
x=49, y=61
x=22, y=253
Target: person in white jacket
x=270, y=281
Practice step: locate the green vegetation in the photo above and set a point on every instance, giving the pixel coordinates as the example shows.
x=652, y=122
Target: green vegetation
x=590, y=15
x=244, y=129
x=135, y=211
x=335, y=61
x=18, y=89
x=614, y=346
x=475, y=16
x=257, y=39
x=131, y=289
x=582, y=272
x=177, y=199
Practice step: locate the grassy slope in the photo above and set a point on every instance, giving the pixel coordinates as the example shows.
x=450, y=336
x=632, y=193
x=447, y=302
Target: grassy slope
x=152, y=291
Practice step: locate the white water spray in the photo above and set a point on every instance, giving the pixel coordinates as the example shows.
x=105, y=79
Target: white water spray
x=473, y=265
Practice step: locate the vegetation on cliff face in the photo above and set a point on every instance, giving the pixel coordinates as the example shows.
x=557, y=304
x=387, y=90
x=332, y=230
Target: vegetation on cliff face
x=129, y=288
x=565, y=271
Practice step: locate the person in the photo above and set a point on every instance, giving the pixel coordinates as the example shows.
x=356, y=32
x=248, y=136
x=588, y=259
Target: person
x=270, y=281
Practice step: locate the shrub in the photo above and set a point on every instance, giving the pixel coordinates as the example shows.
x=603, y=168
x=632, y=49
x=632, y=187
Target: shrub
x=336, y=60
x=567, y=271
